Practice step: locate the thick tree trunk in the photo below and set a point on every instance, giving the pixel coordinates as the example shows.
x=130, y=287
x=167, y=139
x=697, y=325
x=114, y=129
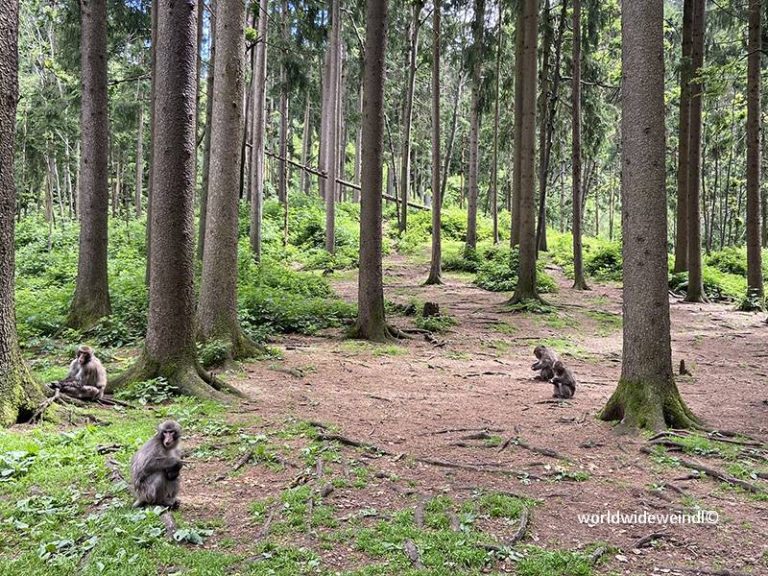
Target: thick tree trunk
x=494, y=190
x=474, y=125
x=405, y=162
x=526, y=276
x=514, y=235
x=91, y=300
x=209, y=83
x=258, y=101
x=152, y=132
x=169, y=349
x=695, y=282
x=681, y=233
x=754, y=257
x=579, y=283
x=19, y=394
x=646, y=396
x=371, y=323
x=329, y=146
x=435, y=267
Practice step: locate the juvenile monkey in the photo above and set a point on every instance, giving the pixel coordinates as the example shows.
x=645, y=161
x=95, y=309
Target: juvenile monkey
x=564, y=382
x=87, y=378
x=546, y=359
x=155, y=468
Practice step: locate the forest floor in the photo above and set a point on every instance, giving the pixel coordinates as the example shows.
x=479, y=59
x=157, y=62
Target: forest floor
x=469, y=450
x=442, y=414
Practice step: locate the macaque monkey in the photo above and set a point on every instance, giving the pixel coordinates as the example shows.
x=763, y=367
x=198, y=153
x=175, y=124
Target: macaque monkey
x=564, y=382
x=546, y=359
x=87, y=378
x=155, y=468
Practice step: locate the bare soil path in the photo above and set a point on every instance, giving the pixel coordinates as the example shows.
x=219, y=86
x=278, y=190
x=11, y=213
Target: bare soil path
x=432, y=402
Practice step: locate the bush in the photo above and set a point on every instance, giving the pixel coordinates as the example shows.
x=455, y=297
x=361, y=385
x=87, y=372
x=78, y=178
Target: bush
x=603, y=261
x=731, y=260
x=435, y=323
x=497, y=272
x=155, y=391
x=213, y=353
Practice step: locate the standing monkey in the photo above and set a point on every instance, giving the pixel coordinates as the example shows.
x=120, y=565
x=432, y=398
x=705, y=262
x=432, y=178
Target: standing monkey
x=564, y=382
x=156, y=466
x=87, y=378
x=546, y=359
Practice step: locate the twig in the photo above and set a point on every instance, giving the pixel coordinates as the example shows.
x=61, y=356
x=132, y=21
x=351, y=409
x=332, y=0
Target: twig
x=537, y=450
x=355, y=443
x=705, y=572
x=265, y=528
x=170, y=524
x=44, y=406
x=449, y=430
x=519, y=535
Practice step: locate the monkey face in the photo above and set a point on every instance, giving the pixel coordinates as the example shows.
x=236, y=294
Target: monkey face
x=559, y=368
x=84, y=354
x=169, y=433
x=537, y=351
x=169, y=438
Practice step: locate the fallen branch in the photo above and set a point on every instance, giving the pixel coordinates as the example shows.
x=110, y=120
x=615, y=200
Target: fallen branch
x=239, y=463
x=418, y=513
x=413, y=554
x=354, y=443
x=646, y=541
x=490, y=468
x=44, y=406
x=517, y=537
x=705, y=572
x=535, y=449
x=597, y=554
x=450, y=430
x=170, y=523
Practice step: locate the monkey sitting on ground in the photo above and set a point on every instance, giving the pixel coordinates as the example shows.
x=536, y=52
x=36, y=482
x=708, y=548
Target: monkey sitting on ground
x=564, y=382
x=87, y=378
x=155, y=468
x=546, y=359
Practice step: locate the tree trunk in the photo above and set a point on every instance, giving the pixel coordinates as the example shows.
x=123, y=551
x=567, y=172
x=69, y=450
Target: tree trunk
x=695, y=282
x=754, y=257
x=371, y=323
x=282, y=181
x=91, y=300
x=474, y=125
x=405, y=164
x=579, y=283
x=258, y=101
x=19, y=393
x=207, y=138
x=514, y=235
x=526, y=276
x=646, y=396
x=217, y=310
x=494, y=191
x=451, y=138
x=306, y=145
x=152, y=132
x=332, y=111
x=139, y=179
x=359, y=139
x=435, y=267
x=169, y=349
x=681, y=234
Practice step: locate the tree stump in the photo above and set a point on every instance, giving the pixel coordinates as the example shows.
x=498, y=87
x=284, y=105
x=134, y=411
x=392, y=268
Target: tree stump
x=430, y=309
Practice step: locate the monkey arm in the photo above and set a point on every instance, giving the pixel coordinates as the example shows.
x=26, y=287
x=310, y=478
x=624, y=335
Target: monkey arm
x=537, y=365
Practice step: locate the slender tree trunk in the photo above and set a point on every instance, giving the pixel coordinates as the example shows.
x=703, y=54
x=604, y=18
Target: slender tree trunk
x=405, y=165
x=610, y=213
x=332, y=111
x=695, y=282
x=245, y=140
x=19, y=393
x=207, y=137
x=526, y=276
x=754, y=256
x=217, y=312
x=258, y=101
x=371, y=323
x=359, y=139
x=282, y=187
x=514, y=236
x=435, y=267
x=169, y=349
x=451, y=138
x=474, y=125
x=139, y=179
x=494, y=191
x=646, y=396
x=306, y=145
x=681, y=234
x=91, y=300
x=579, y=283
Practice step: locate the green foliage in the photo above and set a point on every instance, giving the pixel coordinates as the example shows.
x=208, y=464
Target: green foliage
x=497, y=272
x=154, y=391
x=213, y=353
x=439, y=323
x=602, y=258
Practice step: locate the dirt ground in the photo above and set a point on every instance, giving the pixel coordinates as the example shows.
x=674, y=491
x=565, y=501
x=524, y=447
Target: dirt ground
x=425, y=400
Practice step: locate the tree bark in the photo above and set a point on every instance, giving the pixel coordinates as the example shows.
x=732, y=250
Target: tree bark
x=371, y=323
x=579, y=283
x=282, y=181
x=91, y=300
x=681, y=233
x=646, y=396
x=306, y=145
x=19, y=393
x=405, y=162
x=754, y=256
x=514, y=235
x=152, y=132
x=451, y=138
x=494, y=190
x=544, y=124
x=695, y=291
x=207, y=138
x=258, y=101
x=474, y=125
x=435, y=267
x=331, y=164
x=526, y=276
x=139, y=179
x=169, y=349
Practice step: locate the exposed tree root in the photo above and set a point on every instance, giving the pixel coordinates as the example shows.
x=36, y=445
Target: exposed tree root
x=517, y=537
x=705, y=572
x=650, y=539
x=413, y=554
x=535, y=449
x=44, y=406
